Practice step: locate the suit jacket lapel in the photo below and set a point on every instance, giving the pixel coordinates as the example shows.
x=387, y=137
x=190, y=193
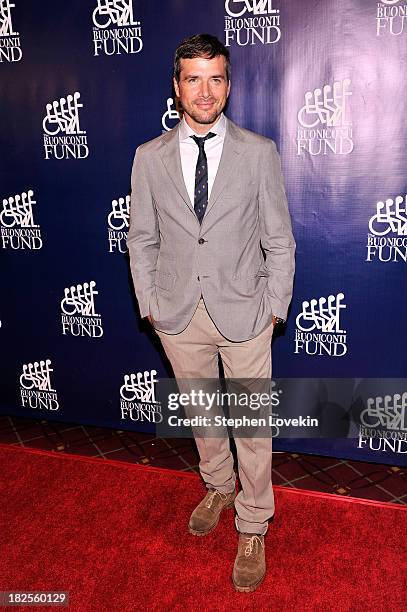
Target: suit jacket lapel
x=232, y=147
x=171, y=159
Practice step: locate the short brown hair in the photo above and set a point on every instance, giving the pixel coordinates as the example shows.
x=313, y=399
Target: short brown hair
x=200, y=45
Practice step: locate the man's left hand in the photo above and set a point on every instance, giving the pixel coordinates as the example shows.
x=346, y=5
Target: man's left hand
x=277, y=320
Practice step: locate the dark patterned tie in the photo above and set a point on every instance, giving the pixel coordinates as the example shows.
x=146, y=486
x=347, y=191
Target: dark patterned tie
x=201, y=177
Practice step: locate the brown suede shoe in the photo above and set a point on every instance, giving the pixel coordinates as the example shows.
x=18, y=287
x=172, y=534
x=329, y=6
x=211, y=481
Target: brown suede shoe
x=250, y=563
x=206, y=515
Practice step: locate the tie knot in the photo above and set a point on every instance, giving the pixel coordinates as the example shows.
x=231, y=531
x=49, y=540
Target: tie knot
x=201, y=139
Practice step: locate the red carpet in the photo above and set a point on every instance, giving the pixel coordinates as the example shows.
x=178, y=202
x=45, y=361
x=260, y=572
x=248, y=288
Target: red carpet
x=114, y=536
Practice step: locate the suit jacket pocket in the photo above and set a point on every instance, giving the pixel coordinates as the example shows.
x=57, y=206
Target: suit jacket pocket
x=165, y=280
x=253, y=274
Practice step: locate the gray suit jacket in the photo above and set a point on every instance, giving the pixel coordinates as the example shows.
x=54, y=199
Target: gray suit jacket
x=174, y=259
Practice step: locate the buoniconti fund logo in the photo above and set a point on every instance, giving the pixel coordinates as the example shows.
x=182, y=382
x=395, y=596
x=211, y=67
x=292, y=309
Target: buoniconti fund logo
x=387, y=237
x=118, y=223
x=63, y=136
x=115, y=31
x=138, y=398
x=251, y=22
x=391, y=17
x=79, y=316
x=324, y=124
x=17, y=227
x=319, y=327
x=36, y=388
x=383, y=423
x=171, y=116
x=10, y=45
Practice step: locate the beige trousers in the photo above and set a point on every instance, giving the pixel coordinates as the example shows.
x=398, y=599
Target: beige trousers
x=193, y=353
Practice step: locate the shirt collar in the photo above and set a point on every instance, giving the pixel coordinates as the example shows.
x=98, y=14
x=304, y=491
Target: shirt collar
x=185, y=132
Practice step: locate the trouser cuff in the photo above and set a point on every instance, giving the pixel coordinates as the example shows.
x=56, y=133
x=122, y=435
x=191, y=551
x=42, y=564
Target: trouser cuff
x=250, y=527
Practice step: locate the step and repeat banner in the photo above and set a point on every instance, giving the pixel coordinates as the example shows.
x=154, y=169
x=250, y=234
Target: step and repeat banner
x=84, y=82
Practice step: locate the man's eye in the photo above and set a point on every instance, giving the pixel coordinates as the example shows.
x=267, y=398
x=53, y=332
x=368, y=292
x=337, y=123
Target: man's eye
x=192, y=80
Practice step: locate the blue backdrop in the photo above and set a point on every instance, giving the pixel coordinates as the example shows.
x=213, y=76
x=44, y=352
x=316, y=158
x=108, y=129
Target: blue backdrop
x=84, y=82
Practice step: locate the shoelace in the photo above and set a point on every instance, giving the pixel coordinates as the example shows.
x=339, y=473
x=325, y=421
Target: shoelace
x=212, y=496
x=252, y=542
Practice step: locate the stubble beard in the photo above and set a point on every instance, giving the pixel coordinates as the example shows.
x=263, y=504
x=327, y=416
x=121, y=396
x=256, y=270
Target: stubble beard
x=203, y=118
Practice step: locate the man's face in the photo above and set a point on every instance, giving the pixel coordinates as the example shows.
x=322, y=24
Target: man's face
x=203, y=90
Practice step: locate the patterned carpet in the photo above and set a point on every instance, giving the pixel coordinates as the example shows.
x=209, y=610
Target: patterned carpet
x=373, y=481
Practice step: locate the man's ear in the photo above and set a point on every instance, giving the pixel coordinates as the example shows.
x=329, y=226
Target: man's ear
x=176, y=87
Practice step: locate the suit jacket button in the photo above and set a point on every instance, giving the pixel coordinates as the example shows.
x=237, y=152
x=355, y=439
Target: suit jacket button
x=197, y=277
x=201, y=241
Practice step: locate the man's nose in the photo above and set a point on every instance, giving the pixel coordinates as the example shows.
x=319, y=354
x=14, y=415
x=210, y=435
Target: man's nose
x=205, y=89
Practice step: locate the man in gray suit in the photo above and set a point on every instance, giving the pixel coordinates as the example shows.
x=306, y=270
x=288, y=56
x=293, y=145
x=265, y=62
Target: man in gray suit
x=212, y=260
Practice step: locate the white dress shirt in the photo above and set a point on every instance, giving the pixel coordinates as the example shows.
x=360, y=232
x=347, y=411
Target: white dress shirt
x=189, y=153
